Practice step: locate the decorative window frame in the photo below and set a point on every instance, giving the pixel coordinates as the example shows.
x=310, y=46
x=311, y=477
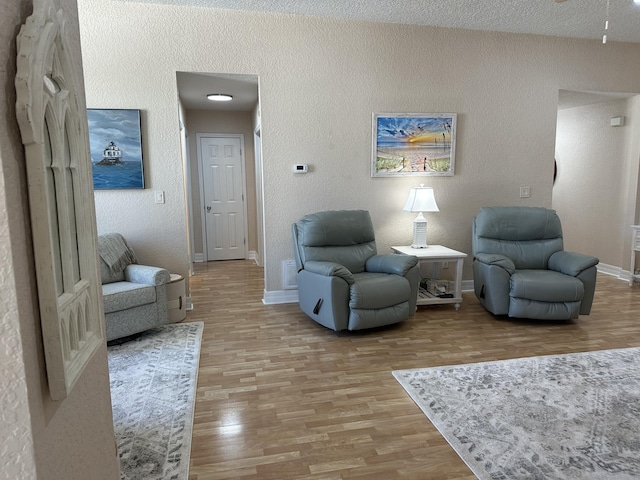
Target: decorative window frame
x=52, y=119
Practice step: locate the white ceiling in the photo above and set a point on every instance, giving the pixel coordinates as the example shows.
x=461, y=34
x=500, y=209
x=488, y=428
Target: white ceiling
x=570, y=18
x=193, y=89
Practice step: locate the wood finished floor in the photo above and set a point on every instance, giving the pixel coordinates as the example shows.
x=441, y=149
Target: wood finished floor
x=281, y=397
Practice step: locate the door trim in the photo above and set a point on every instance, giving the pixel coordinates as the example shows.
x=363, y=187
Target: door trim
x=199, y=137
x=257, y=152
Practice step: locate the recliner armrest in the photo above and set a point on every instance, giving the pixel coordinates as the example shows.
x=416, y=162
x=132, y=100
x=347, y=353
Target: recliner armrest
x=329, y=269
x=498, y=260
x=571, y=263
x=135, y=273
x=391, y=263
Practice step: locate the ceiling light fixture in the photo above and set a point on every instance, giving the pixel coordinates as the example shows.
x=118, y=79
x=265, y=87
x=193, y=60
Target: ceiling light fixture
x=219, y=97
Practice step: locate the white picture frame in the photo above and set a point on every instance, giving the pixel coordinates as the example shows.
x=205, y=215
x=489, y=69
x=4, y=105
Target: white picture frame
x=413, y=144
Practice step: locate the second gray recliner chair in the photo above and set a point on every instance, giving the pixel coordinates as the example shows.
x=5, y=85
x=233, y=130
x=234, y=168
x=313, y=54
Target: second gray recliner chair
x=520, y=267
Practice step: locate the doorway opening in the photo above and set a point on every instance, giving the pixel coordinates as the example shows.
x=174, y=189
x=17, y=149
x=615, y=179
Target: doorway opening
x=598, y=166
x=215, y=233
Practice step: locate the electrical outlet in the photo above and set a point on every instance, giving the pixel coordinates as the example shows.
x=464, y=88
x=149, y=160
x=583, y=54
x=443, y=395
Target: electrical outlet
x=525, y=192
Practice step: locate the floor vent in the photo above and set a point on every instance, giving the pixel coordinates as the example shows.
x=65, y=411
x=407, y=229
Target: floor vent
x=289, y=275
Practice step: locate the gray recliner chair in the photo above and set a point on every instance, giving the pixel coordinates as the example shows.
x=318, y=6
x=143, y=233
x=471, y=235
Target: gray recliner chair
x=134, y=296
x=520, y=268
x=343, y=283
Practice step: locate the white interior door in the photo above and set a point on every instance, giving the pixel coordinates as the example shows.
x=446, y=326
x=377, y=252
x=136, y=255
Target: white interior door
x=223, y=191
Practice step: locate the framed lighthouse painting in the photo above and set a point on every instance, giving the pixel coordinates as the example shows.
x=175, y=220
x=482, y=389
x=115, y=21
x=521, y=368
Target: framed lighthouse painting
x=116, y=148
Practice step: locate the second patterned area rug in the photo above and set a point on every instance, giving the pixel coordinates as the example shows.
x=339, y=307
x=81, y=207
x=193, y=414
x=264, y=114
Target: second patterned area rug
x=153, y=384
x=574, y=416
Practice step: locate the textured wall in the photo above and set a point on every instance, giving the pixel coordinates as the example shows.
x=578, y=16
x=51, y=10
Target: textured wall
x=597, y=178
x=320, y=81
x=16, y=450
x=67, y=440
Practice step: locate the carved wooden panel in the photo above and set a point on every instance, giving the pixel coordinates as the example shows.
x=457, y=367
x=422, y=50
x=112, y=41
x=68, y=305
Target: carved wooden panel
x=54, y=132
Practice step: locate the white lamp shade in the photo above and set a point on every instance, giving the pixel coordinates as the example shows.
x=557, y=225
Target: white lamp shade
x=421, y=199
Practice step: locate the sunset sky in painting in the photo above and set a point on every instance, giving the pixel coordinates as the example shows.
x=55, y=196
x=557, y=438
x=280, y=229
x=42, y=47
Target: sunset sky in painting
x=399, y=129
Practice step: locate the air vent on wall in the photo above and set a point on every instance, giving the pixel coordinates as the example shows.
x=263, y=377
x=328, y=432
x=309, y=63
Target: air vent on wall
x=289, y=275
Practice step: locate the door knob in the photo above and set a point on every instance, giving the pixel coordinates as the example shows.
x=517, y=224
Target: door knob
x=208, y=209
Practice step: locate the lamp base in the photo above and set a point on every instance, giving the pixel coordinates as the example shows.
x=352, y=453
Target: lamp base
x=419, y=232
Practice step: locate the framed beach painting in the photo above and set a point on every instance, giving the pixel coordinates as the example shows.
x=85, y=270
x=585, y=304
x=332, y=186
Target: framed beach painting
x=116, y=148
x=413, y=144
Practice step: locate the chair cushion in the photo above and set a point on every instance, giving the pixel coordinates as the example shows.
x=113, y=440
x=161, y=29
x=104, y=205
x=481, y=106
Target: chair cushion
x=336, y=228
x=518, y=223
x=361, y=318
x=107, y=276
x=528, y=236
x=525, y=308
x=546, y=285
x=123, y=295
x=340, y=236
x=378, y=290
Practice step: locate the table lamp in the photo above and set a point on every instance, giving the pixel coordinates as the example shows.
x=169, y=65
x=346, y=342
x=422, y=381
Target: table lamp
x=421, y=199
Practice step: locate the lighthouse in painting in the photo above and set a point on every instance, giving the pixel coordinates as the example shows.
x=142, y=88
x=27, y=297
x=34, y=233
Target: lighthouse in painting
x=112, y=155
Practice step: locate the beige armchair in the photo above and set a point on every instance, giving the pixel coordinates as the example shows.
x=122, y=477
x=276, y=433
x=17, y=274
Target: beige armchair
x=135, y=296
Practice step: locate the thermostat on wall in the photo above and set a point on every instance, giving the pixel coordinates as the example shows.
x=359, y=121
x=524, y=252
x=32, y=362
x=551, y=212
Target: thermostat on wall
x=300, y=168
x=617, y=121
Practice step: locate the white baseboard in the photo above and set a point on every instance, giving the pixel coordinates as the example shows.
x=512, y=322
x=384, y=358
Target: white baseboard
x=614, y=271
x=291, y=296
x=467, y=285
x=280, y=296
x=251, y=255
x=199, y=257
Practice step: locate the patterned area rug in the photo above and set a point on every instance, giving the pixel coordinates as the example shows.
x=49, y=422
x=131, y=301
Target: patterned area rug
x=574, y=416
x=153, y=382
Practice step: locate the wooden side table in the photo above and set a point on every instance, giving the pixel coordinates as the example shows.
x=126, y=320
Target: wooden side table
x=175, y=298
x=437, y=254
